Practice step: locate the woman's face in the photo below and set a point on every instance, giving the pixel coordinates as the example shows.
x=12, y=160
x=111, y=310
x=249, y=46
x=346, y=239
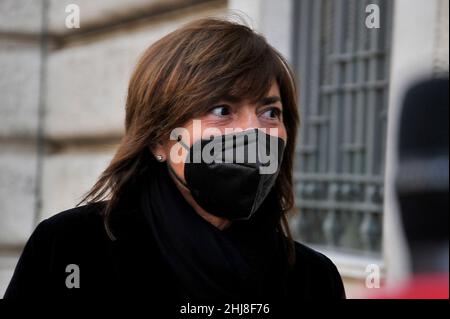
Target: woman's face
x=226, y=115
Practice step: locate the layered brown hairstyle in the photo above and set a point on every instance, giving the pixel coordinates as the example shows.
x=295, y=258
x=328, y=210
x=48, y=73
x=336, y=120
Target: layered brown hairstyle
x=179, y=78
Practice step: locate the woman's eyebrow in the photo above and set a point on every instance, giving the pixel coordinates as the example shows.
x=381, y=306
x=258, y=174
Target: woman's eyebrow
x=264, y=101
x=231, y=98
x=270, y=100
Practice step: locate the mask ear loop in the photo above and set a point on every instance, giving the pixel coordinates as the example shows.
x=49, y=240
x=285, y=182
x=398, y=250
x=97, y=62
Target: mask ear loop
x=171, y=170
x=180, y=140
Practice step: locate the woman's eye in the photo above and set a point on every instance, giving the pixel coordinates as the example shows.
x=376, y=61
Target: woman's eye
x=272, y=113
x=221, y=110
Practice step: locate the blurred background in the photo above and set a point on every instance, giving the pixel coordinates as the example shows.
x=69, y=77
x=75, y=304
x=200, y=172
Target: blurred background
x=63, y=89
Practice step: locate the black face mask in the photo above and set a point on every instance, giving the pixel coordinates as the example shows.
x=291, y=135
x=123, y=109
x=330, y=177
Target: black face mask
x=235, y=173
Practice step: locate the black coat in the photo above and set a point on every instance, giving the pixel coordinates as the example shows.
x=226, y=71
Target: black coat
x=129, y=267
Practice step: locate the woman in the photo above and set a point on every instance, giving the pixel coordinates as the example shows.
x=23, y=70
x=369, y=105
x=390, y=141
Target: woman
x=185, y=230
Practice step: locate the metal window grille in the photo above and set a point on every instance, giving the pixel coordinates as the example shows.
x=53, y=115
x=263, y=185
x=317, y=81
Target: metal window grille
x=343, y=71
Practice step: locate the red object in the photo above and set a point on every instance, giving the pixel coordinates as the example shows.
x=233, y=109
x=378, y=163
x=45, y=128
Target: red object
x=427, y=286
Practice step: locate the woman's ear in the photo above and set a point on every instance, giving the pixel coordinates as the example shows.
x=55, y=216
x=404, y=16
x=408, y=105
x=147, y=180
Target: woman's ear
x=158, y=151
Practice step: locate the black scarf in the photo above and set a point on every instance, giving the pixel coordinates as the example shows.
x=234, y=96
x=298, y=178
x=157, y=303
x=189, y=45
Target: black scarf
x=245, y=261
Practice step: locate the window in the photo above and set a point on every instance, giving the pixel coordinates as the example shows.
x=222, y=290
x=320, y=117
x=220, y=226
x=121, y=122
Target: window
x=343, y=71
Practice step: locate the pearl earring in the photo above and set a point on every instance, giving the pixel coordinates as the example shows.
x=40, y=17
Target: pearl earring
x=159, y=158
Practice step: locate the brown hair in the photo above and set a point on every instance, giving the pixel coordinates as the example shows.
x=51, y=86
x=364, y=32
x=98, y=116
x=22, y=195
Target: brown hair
x=179, y=78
